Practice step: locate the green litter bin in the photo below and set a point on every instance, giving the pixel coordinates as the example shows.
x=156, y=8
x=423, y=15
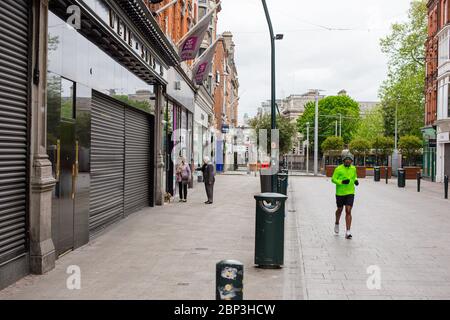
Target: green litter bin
x=283, y=183
x=401, y=178
x=269, y=239
x=377, y=174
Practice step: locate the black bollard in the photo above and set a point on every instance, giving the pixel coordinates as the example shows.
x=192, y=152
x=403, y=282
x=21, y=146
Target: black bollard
x=419, y=178
x=386, y=174
x=446, y=187
x=229, y=280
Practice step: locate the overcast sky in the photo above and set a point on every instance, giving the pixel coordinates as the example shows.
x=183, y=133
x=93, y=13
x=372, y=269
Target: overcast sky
x=310, y=56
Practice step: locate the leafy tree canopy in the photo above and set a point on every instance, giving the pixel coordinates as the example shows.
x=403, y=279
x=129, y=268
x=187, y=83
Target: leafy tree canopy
x=333, y=144
x=405, y=85
x=360, y=146
x=410, y=146
x=330, y=110
x=286, y=129
x=371, y=125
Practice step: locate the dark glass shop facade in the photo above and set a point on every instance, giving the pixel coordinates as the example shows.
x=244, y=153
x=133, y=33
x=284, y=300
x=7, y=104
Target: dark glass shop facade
x=101, y=128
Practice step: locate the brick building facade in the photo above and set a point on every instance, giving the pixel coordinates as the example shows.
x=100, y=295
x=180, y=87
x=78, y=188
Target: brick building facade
x=177, y=19
x=435, y=23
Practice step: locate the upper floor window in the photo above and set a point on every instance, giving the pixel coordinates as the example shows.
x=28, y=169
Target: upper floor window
x=444, y=48
x=444, y=12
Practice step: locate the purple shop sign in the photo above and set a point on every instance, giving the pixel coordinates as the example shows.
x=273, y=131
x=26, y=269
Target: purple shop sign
x=201, y=71
x=189, y=49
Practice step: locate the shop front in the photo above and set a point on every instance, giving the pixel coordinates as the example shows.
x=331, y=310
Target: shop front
x=101, y=119
x=15, y=83
x=429, y=153
x=179, y=126
x=202, y=127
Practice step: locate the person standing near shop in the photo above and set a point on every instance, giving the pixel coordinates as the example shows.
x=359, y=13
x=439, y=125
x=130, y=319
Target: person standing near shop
x=209, y=179
x=345, y=178
x=183, y=177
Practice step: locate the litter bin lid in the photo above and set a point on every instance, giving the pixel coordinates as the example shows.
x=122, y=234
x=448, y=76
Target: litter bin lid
x=270, y=196
x=230, y=262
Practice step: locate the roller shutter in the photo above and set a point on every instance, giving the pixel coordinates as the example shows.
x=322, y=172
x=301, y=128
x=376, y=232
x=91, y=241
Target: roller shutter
x=14, y=87
x=107, y=162
x=137, y=161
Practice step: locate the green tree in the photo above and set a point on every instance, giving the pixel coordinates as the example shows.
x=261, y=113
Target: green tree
x=410, y=147
x=330, y=109
x=371, y=125
x=333, y=146
x=142, y=105
x=405, y=85
x=360, y=147
x=383, y=147
x=286, y=129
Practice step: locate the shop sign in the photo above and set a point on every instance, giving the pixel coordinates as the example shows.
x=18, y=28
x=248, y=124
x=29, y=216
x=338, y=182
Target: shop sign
x=443, y=137
x=126, y=34
x=225, y=128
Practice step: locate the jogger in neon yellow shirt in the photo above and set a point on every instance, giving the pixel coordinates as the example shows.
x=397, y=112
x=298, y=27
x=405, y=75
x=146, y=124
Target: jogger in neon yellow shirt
x=345, y=178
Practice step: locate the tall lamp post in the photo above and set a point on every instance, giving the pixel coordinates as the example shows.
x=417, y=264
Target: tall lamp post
x=273, y=37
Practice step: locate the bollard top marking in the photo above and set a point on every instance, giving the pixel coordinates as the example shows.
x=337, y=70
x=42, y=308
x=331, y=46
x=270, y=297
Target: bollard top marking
x=269, y=196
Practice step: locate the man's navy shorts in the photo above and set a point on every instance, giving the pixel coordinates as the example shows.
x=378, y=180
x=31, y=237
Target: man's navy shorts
x=347, y=200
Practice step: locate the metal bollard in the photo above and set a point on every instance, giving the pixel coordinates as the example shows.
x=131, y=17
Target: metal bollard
x=419, y=178
x=446, y=187
x=229, y=280
x=386, y=175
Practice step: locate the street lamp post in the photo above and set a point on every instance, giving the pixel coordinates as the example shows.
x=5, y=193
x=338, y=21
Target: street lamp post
x=273, y=37
x=307, y=148
x=316, y=136
x=396, y=127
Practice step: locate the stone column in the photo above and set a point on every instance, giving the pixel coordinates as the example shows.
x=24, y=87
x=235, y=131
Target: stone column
x=42, y=250
x=159, y=156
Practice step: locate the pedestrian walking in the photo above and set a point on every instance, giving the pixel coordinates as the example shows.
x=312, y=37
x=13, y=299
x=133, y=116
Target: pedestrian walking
x=183, y=174
x=208, y=178
x=345, y=178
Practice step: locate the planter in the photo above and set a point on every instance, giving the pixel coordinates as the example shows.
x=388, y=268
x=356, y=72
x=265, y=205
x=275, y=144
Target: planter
x=329, y=170
x=383, y=172
x=411, y=172
x=361, y=172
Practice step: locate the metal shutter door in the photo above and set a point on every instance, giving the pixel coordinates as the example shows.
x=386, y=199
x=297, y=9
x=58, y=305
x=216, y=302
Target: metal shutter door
x=137, y=161
x=14, y=75
x=107, y=162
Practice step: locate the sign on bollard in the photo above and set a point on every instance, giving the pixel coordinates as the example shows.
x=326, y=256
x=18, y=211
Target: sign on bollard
x=229, y=280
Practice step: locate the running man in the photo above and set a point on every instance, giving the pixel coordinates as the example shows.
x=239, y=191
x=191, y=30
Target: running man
x=345, y=179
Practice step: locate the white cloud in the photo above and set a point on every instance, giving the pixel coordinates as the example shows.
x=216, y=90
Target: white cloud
x=310, y=56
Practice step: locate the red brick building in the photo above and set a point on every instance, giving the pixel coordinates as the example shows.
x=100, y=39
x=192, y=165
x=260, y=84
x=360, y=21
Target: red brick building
x=177, y=19
x=435, y=23
x=434, y=17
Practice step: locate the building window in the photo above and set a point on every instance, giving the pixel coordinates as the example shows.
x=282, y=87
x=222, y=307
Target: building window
x=67, y=99
x=444, y=47
x=201, y=12
x=448, y=101
x=445, y=10
x=217, y=77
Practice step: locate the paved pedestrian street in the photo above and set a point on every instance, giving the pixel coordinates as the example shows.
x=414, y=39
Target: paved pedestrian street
x=400, y=236
x=404, y=235
x=170, y=253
